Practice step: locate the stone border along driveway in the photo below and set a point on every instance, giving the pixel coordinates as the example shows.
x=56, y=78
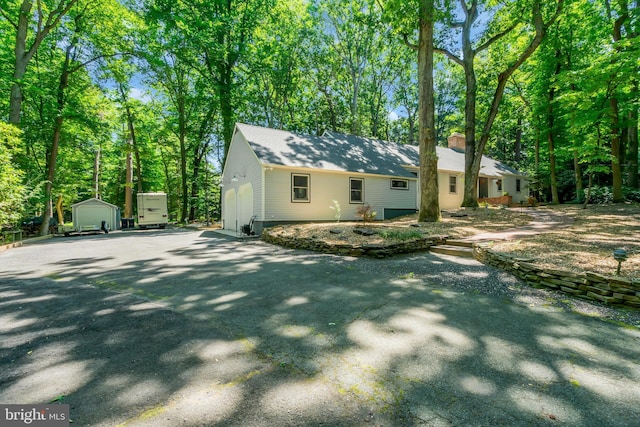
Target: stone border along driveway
x=192, y=328
x=594, y=287
x=543, y=222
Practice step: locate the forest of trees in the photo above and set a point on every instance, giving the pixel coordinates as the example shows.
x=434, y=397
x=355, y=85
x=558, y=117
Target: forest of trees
x=100, y=98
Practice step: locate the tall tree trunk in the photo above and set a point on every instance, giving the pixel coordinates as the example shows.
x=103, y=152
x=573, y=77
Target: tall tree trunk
x=616, y=153
x=555, y=199
x=96, y=174
x=132, y=135
x=517, y=149
x=182, y=136
x=22, y=58
x=200, y=150
x=226, y=105
x=578, y=176
x=429, y=203
x=632, y=154
x=128, y=184
x=355, y=123
x=197, y=160
x=51, y=173
x=15, y=105
x=616, y=168
x=57, y=132
x=470, y=198
x=587, y=196
x=536, y=156
x=333, y=117
x=24, y=55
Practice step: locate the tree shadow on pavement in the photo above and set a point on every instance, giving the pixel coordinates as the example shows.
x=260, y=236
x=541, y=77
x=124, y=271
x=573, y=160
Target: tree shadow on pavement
x=206, y=330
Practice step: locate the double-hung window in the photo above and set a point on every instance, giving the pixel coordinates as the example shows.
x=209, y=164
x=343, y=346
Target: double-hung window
x=356, y=190
x=299, y=187
x=453, y=184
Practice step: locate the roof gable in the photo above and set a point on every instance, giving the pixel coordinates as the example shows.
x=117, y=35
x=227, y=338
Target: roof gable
x=94, y=201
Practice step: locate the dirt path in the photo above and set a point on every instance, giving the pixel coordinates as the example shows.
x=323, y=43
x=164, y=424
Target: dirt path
x=544, y=221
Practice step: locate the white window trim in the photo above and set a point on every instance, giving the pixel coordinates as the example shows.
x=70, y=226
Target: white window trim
x=405, y=188
x=456, y=184
x=308, y=187
x=351, y=201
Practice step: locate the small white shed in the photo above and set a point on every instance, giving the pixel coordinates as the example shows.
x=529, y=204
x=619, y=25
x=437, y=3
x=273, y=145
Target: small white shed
x=89, y=214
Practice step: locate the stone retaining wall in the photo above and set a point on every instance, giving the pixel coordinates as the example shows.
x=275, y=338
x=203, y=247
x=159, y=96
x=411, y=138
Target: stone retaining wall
x=613, y=290
x=379, y=251
x=591, y=286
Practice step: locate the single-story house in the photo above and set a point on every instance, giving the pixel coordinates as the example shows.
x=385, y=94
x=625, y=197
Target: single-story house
x=89, y=214
x=276, y=176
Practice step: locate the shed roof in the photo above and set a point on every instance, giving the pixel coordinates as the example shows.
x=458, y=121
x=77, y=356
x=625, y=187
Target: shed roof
x=350, y=153
x=93, y=200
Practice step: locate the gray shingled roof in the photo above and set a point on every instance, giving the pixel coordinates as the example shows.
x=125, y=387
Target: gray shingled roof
x=453, y=161
x=349, y=153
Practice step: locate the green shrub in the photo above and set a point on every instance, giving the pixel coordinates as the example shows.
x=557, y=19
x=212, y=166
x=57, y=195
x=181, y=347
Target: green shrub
x=12, y=192
x=632, y=194
x=599, y=195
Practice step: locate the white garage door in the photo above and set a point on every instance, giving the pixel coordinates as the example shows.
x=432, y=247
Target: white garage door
x=230, y=210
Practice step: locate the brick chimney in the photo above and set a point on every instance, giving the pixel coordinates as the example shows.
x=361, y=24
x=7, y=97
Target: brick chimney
x=456, y=141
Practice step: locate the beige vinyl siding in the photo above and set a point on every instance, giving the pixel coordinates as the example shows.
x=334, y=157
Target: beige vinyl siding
x=324, y=188
x=509, y=185
x=379, y=194
x=493, y=186
x=446, y=199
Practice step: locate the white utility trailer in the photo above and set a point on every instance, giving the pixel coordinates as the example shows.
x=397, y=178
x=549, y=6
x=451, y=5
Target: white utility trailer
x=152, y=210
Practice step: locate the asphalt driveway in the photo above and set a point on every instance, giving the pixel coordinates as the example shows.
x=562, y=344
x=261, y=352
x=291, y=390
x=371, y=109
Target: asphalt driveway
x=184, y=327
